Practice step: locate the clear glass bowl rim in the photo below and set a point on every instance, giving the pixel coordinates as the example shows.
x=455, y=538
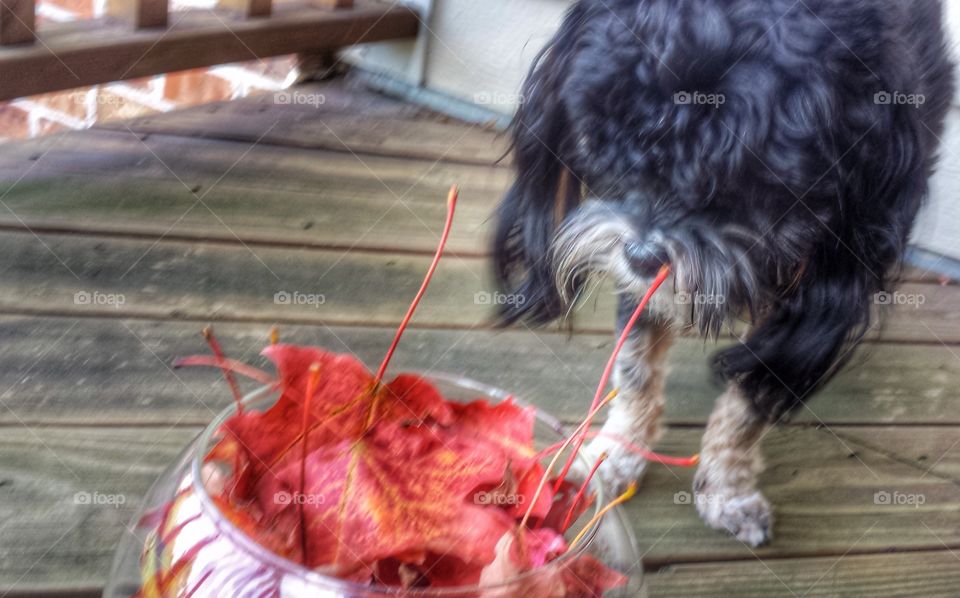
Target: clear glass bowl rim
x=257, y=551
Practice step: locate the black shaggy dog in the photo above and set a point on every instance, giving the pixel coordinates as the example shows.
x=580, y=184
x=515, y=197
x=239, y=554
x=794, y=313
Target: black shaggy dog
x=773, y=152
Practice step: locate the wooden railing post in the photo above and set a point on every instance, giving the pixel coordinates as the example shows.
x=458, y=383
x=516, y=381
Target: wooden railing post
x=142, y=14
x=263, y=8
x=109, y=50
x=151, y=13
x=249, y=8
x=17, y=22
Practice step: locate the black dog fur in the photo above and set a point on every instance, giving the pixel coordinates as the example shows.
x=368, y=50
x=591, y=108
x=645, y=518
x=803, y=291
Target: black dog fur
x=793, y=199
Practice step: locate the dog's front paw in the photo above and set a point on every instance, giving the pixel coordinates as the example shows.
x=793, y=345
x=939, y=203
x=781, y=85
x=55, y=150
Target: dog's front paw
x=748, y=517
x=620, y=468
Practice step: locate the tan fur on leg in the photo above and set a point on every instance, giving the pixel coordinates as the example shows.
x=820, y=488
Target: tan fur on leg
x=635, y=413
x=725, y=487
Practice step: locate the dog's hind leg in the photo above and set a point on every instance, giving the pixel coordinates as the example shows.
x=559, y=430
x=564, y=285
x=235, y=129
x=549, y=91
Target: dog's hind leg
x=725, y=486
x=636, y=411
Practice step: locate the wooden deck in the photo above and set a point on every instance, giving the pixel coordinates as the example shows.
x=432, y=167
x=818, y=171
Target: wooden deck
x=205, y=214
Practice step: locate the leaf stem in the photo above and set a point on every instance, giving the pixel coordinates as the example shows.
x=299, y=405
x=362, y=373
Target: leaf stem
x=556, y=457
x=227, y=374
x=631, y=490
x=227, y=364
x=579, y=495
x=451, y=206
x=661, y=277
x=646, y=454
x=312, y=382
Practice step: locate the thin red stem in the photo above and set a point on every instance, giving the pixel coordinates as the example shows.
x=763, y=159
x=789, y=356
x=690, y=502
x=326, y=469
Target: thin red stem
x=451, y=206
x=631, y=490
x=230, y=364
x=312, y=382
x=646, y=454
x=579, y=495
x=661, y=277
x=553, y=462
x=227, y=374
x=690, y=461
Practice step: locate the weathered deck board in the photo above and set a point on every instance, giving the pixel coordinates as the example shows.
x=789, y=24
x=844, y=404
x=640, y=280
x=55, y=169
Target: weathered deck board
x=823, y=510
x=922, y=450
x=823, y=489
x=116, y=182
x=92, y=181
x=934, y=574
x=175, y=279
x=264, y=120
x=64, y=371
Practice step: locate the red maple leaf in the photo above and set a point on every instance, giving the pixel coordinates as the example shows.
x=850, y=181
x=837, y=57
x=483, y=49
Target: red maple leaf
x=391, y=483
x=363, y=504
x=387, y=491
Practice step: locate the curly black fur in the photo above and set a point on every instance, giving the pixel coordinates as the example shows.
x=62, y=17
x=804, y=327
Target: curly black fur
x=793, y=198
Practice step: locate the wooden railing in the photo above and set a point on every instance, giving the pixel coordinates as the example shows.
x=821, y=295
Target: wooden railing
x=149, y=40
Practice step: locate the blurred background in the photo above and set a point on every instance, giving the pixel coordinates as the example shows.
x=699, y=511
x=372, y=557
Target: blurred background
x=469, y=60
x=86, y=106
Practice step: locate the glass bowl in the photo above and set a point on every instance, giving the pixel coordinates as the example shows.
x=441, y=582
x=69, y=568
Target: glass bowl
x=178, y=518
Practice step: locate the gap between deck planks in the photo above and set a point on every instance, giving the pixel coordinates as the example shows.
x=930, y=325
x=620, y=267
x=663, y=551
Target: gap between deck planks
x=826, y=510
x=112, y=371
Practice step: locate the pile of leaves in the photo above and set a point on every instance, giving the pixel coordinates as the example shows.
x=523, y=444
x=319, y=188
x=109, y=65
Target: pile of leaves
x=392, y=484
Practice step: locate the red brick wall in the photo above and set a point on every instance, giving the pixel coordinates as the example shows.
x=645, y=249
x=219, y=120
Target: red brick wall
x=79, y=108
